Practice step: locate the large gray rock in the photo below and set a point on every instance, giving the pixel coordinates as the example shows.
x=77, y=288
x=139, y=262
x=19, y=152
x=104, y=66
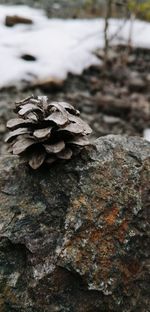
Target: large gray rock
x=75, y=237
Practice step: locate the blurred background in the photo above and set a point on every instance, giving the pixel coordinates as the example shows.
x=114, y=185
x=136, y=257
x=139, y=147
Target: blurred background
x=94, y=54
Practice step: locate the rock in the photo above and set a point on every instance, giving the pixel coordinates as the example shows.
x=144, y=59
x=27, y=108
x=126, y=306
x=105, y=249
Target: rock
x=49, y=84
x=116, y=106
x=15, y=19
x=74, y=237
x=136, y=83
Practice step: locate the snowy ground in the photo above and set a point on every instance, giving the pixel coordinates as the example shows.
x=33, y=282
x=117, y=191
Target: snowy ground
x=59, y=46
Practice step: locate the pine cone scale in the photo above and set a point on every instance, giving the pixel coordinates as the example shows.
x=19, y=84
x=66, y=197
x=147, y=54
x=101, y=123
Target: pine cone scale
x=15, y=123
x=73, y=128
x=21, y=145
x=32, y=117
x=80, y=140
x=65, y=154
x=27, y=108
x=55, y=148
x=15, y=133
x=44, y=133
x=37, y=159
x=58, y=118
x=75, y=119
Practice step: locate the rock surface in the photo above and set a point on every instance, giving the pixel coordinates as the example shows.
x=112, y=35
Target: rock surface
x=75, y=237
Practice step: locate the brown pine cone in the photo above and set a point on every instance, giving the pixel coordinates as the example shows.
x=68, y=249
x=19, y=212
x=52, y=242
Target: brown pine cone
x=45, y=132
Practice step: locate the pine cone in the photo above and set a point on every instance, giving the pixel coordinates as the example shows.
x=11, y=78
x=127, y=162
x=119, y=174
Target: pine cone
x=45, y=132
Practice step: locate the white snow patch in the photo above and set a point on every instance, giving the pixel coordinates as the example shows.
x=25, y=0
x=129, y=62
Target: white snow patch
x=146, y=134
x=59, y=46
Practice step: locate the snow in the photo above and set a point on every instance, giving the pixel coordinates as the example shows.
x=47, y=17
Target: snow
x=59, y=46
x=146, y=134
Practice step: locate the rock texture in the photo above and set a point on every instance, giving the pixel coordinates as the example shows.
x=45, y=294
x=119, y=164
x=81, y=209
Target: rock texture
x=75, y=238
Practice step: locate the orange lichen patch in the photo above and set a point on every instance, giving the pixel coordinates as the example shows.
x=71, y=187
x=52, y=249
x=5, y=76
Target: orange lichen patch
x=122, y=231
x=112, y=216
x=96, y=203
x=78, y=202
x=105, y=252
x=95, y=235
x=104, y=193
x=106, y=248
x=104, y=269
x=83, y=202
x=102, y=272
